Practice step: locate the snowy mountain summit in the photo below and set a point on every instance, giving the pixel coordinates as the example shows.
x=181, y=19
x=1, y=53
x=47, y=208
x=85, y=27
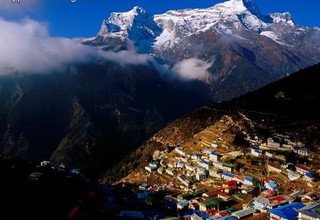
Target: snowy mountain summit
x=144, y=30
x=236, y=46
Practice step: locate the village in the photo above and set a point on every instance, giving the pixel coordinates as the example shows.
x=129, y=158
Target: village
x=218, y=174
x=273, y=178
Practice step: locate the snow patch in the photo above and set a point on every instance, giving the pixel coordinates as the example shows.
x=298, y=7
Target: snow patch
x=272, y=36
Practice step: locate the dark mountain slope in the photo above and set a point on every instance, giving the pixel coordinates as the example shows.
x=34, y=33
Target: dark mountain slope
x=89, y=115
x=295, y=96
x=291, y=104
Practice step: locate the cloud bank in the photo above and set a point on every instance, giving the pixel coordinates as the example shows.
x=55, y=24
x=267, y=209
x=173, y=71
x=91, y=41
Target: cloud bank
x=192, y=69
x=27, y=47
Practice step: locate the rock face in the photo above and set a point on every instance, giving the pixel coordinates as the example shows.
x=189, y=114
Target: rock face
x=245, y=49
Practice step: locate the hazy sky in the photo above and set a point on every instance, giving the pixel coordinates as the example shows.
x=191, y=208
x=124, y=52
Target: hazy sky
x=83, y=18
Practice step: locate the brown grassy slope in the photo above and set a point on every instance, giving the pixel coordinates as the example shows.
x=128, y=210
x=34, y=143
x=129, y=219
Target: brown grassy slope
x=174, y=134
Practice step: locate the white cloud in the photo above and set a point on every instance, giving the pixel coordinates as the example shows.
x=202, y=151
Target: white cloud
x=27, y=47
x=192, y=69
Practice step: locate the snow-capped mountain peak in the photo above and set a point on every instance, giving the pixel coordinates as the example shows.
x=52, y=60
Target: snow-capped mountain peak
x=125, y=20
x=284, y=18
x=134, y=28
x=233, y=20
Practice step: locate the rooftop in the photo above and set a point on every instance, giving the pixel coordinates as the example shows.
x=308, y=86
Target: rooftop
x=288, y=211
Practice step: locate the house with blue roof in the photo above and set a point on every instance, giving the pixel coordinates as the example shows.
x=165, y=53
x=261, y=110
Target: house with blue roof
x=256, y=152
x=309, y=177
x=270, y=184
x=310, y=212
x=248, y=180
x=213, y=156
x=286, y=212
x=227, y=176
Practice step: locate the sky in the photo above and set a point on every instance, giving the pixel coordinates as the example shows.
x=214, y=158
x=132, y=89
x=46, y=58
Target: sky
x=82, y=18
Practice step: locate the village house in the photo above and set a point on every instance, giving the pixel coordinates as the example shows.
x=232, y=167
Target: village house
x=238, y=178
x=189, y=167
x=263, y=204
x=244, y=180
x=214, y=173
x=163, y=163
x=182, y=204
x=222, y=166
x=302, y=169
x=184, y=159
x=179, y=165
x=248, y=180
x=243, y=213
x=201, y=175
x=210, y=204
x=214, y=144
x=160, y=170
x=44, y=163
x=170, y=165
x=153, y=165
x=224, y=196
x=180, y=151
x=270, y=184
x=227, y=176
x=302, y=151
x=170, y=171
x=256, y=152
x=311, y=197
x=310, y=212
x=207, y=151
x=268, y=154
x=143, y=186
x=204, y=164
x=196, y=156
x=214, y=156
x=287, y=146
x=272, y=143
x=274, y=168
x=193, y=205
x=150, y=169
x=230, y=190
x=184, y=180
x=286, y=212
x=309, y=177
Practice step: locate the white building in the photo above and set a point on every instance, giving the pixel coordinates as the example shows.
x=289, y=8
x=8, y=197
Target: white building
x=214, y=156
x=182, y=204
x=189, y=167
x=184, y=180
x=180, y=151
x=214, y=144
x=302, y=169
x=272, y=143
x=201, y=175
x=150, y=169
x=256, y=152
x=204, y=164
x=170, y=172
